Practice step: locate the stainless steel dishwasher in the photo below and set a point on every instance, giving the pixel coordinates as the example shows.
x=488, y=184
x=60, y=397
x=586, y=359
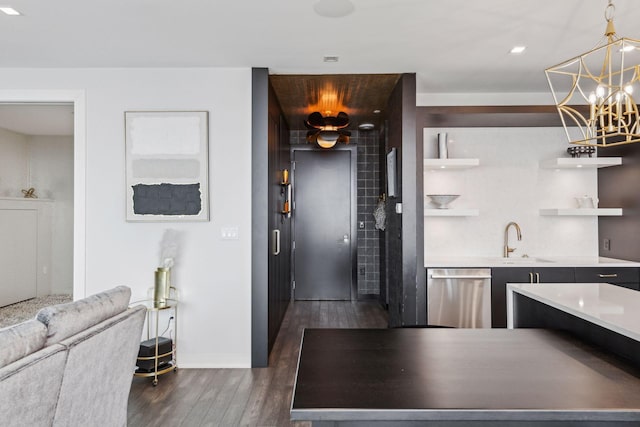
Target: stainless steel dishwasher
x=459, y=297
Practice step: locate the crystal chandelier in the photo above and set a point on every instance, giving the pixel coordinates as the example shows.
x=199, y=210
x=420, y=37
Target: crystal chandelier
x=594, y=92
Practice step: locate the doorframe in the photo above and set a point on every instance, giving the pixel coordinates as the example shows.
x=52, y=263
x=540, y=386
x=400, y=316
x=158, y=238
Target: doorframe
x=78, y=99
x=353, y=149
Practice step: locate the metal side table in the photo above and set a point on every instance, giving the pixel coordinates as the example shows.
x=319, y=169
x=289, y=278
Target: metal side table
x=154, y=313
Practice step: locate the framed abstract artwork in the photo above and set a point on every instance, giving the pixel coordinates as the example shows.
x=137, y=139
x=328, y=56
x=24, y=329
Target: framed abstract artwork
x=167, y=173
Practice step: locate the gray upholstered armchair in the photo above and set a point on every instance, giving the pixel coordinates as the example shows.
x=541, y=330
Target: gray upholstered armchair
x=73, y=364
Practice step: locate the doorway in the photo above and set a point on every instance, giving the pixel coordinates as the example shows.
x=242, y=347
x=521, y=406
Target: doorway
x=324, y=223
x=75, y=245
x=36, y=177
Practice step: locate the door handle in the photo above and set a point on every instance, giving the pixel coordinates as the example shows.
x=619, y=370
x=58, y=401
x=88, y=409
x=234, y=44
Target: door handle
x=608, y=276
x=537, y=277
x=530, y=277
x=275, y=242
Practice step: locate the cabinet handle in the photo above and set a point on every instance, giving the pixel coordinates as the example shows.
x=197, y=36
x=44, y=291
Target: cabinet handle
x=537, y=277
x=275, y=250
x=608, y=276
x=530, y=277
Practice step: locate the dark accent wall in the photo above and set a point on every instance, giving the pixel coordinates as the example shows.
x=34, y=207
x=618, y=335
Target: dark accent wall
x=279, y=293
x=368, y=190
x=270, y=274
x=488, y=116
x=406, y=282
x=618, y=187
x=259, y=217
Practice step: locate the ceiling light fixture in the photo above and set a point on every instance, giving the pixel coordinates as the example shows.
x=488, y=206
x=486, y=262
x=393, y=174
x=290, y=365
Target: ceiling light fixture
x=8, y=10
x=327, y=131
x=333, y=8
x=330, y=58
x=594, y=92
x=516, y=50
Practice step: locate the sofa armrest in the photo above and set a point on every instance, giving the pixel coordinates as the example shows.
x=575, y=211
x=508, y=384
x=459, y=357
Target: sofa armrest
x=99, y=371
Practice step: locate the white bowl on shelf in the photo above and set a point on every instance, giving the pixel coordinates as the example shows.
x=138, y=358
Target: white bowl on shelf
x=442, y=200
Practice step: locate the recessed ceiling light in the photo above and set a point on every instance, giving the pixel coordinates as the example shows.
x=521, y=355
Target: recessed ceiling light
x=333, y=8
x=376, y=111
x=366, y=126
x=516, y=50
x=330, y=58
x=8, y=10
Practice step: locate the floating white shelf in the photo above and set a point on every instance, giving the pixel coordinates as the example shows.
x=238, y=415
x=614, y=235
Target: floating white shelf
x=451, y=163
x=582, y=212
x=580, y=162
x=451, y=212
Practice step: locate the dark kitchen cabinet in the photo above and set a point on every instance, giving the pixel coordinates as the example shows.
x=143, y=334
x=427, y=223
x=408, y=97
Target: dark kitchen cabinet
x=502, y=275
x=628, y=277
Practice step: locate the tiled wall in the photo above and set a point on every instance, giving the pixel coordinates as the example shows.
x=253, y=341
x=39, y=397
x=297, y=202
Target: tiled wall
x=368, y=143
x=368, y=192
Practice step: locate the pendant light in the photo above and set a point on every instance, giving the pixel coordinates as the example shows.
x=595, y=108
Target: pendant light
x=595, y=92
x=327, y=131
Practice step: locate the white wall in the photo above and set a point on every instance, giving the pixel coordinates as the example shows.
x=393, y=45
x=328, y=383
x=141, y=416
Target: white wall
x=51, y=174
x=213, y=275
x=14, y=162
x=508, y=186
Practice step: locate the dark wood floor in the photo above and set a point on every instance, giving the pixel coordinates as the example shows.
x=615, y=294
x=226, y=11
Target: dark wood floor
x=245, y=397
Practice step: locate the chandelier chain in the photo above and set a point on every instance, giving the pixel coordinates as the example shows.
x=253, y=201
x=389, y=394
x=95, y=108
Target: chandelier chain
x=609, y=11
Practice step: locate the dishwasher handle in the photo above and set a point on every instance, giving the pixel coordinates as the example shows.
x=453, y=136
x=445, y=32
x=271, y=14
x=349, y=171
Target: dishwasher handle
x=460, y=276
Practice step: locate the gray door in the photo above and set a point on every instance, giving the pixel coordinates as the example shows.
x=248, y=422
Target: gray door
x=323, y=256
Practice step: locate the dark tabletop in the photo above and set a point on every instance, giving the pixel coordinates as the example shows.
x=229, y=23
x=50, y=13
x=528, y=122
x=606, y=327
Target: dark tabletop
x=459, y=374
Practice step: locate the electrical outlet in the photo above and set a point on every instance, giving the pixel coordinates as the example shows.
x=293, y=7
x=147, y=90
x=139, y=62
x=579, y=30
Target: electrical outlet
x=361, y=224
x=606, y=244
x=362, y=270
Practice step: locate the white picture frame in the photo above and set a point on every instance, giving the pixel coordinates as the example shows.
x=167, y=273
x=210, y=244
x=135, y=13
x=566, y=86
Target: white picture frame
x=167, y=173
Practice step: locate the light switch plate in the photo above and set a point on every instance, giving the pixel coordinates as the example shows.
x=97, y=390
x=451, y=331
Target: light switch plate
x=229, y=233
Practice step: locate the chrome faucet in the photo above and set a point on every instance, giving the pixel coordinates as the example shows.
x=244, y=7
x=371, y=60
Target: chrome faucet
x=507, y=249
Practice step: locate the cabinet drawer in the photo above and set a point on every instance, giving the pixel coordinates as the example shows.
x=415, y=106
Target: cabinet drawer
x=607, y=275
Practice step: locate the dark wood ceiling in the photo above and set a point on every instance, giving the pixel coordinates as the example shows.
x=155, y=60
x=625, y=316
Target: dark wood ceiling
x=358, y=95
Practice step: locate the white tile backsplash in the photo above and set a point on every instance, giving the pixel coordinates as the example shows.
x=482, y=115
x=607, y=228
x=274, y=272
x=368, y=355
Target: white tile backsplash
x=508, y=186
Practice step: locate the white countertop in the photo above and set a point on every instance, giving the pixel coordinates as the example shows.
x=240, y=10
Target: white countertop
x=533, y=261
x=612, y=307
